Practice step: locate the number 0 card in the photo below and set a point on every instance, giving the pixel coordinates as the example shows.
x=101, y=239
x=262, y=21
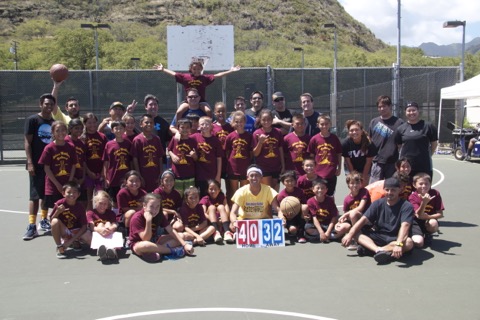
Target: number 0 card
x=260, y=233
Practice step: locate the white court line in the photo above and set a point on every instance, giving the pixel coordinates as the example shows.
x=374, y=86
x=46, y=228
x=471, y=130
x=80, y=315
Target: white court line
x=442, y=177
x=245, y=310
x=11, y=211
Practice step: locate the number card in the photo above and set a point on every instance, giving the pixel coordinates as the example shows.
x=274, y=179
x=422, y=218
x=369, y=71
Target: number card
x=260, y=233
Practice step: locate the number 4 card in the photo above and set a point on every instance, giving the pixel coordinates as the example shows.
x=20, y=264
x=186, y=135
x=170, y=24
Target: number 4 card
x=260, y=233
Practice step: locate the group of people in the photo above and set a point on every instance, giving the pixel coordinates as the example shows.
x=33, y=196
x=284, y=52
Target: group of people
x=160, y=183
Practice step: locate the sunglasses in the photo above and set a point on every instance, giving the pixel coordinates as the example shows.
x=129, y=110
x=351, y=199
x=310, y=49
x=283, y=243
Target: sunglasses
x=192, y=97
x=279, y=99
x=257, y=98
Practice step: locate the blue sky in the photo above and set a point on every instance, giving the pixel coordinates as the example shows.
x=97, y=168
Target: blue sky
x=422, y=20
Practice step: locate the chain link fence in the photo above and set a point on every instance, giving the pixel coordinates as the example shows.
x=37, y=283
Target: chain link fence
x=358, y=89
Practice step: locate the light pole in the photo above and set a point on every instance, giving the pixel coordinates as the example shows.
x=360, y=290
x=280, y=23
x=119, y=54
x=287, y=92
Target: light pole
x=333, y=107
x=95, y=35
x=454, y=24
x=459, y=114
x=303, y=64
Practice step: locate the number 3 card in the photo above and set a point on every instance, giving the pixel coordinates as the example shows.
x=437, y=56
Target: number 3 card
x=260, y=233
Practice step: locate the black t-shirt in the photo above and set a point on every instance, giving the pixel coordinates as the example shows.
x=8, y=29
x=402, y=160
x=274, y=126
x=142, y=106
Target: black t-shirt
x=311, y=127
x=282, y=115
x=162, y=127
x=41, y=131
x=381, y=134
x=415, y=140
x=388, y=219
x=353, y=151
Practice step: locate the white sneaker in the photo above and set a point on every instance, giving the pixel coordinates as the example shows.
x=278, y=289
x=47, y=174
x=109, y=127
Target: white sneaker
x=218, y=238
x=228, y=237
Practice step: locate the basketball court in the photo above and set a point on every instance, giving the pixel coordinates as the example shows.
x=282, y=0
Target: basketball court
x=300, y=281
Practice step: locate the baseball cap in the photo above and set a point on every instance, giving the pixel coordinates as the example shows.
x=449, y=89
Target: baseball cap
x=117, y=104
x=391, y=183
x=277, y=95
x=412, y=104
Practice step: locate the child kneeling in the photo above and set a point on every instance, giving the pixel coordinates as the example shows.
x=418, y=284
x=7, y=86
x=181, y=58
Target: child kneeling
x=69, y=221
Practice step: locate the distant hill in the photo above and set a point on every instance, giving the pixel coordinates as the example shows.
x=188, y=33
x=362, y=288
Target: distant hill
x=451, y=50
x=299, y=22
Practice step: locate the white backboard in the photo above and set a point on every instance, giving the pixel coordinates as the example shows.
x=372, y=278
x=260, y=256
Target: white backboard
x=186, y=43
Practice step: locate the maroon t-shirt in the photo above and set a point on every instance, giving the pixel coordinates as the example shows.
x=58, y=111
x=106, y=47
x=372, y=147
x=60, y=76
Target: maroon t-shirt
x=130, y=138
x=269, y=158
x=324, y=211
x=74, y=217
x=326, y=151
x=306, y=185
x=238, y=148
x=208, y=150
x=192, y=217
x=93, y=216
x=185, y=169
x=81, y=151
x=209, y=201
x=148, y=153
x=138, y=222
x=95, y=143
x=119, y=161
x=433, y=206
x=125, y=199
x=297, y=193
x=62, y=160
x=351, y=202
x=222, y=131
x=296, y=151
x=172, y=200
x=200, y=83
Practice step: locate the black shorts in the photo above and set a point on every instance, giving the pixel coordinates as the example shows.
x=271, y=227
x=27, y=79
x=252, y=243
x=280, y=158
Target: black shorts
x=331, y=185
x=37, y=184
x=274, y=175
x=378, y=238
x=419, y=229
x=51, y=199
x=236, y=177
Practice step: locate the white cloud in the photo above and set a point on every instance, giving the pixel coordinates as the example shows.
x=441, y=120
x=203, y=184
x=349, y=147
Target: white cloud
x=422, y=20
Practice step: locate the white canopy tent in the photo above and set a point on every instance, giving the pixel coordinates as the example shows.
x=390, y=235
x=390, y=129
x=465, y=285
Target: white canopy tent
x=464, y=90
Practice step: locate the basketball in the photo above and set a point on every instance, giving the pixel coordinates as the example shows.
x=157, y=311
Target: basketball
x=290, y=206
x=58, y=72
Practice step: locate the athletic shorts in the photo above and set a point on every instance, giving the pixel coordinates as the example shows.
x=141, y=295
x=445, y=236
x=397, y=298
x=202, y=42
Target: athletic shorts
x=379, y=239
x=37, y=184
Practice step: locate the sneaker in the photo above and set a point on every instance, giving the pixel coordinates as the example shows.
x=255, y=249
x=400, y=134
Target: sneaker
x=383, y=257
x=44, y=225
x=218, y=238
x=175, y=253
x=151, y=257
x=111, y=254
x=427, y=242
x=61, y=252
x=31, y=232
x=77, y=246
x=302, y=240
x=228, y=237
x=102, y=252
x=353, y=246
x=361, y=251
x=468, y=158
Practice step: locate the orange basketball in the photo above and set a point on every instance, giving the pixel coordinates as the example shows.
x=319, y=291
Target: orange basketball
x=290, y=206
x=58, y=72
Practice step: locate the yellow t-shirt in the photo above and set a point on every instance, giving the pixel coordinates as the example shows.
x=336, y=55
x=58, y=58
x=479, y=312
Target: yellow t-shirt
x=254, y=207
x=60, y=116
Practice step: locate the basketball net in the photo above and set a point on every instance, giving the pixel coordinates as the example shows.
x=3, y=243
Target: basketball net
x=202, y=59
